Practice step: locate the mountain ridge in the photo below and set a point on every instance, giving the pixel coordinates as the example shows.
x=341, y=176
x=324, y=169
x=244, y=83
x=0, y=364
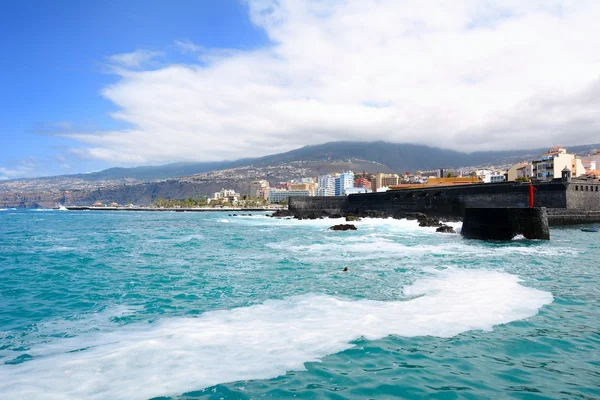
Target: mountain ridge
x=396, y=156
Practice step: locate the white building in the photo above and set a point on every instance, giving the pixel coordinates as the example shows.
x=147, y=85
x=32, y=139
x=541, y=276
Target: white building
x=356, y=190
x=496, y=178
x=490, y=176
x=344, y=182
x=277, y=195
x=227, y=195
x=326, y=186
x=525, y=172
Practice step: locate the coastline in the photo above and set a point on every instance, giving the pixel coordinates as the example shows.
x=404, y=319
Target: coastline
x=206, y=209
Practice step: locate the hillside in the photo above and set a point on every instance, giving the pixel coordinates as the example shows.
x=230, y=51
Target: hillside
x=142, y=185
x=397, y=157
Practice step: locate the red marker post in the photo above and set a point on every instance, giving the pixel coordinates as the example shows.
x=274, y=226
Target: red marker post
x=531, y=190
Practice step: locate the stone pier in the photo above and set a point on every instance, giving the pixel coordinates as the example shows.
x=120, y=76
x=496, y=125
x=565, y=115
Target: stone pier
x=505, y=223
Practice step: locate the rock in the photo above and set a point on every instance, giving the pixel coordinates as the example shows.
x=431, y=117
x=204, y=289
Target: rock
x=375, y=214
x=351, y=218
x=343, y=227
x=424, y=220
x=282, y=213
x=445, y=229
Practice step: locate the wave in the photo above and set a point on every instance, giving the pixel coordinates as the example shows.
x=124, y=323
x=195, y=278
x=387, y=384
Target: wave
x=380, y=246
x=8, y=209
x=262, y=341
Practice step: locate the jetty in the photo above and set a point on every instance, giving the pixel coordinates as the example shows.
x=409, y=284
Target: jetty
x=197, y=209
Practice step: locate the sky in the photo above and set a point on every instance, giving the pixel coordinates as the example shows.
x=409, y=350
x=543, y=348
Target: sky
x=90, y=85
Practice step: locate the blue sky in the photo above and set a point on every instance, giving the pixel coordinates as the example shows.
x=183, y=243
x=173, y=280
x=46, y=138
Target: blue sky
x=86, y=85
x=54, y=68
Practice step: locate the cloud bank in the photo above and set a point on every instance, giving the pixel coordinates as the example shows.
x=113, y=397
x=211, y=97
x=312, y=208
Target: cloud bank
x=468, y=75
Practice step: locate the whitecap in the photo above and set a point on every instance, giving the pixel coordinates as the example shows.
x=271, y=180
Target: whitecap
x=177, y=355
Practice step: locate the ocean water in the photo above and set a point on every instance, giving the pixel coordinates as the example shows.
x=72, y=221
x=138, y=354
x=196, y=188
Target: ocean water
x=142, y=305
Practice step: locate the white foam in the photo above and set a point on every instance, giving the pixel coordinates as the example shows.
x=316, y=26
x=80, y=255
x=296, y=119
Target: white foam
x=190, y=238
x=260, y=342
x=225, y=221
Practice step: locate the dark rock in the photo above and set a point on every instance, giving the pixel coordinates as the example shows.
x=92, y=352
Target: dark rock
x=282, y=213
x=424, y=220
x=445, y=229
x=411, y=215
x=343, y=227
x=350, y=218
x=375, y=214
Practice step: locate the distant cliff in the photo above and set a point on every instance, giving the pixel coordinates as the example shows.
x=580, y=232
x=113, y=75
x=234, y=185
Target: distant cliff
x=140, y=194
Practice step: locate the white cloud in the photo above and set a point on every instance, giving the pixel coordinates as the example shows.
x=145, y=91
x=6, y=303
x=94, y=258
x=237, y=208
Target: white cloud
x=466, y=74
x=186, y=46
x=135, y=59
x=24, y=170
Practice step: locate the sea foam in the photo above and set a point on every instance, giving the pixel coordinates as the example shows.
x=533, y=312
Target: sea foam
x=177, y=355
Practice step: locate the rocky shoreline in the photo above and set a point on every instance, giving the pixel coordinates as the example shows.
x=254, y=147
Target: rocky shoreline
x=423, y=219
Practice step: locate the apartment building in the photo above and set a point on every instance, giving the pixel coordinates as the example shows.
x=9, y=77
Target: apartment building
x=326, y=186
x=259, y=188
x=343, y=182
x=277, y=195
x=550, y=165
x=385, y=180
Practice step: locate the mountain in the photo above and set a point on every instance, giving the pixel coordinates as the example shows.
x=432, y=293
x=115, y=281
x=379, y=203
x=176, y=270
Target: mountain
x=397, y=157
x=402, y=157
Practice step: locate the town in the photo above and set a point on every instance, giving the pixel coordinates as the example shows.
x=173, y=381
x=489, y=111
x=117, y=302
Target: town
x=261, y=193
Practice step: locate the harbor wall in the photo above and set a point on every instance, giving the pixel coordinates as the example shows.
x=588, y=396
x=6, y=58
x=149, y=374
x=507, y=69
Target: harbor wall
x=583, y=196
x=450, y=202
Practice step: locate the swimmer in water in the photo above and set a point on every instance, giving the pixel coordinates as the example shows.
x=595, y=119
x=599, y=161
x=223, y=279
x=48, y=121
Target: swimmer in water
x=345, y=269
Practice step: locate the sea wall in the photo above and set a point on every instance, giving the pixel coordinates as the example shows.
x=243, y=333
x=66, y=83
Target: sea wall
x=558, y=217
x=505, y=223
x=583, y=196
x=450, y=202
x=326, y=204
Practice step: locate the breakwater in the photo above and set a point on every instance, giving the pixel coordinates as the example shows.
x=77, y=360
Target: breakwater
x=567, y=202
x=505, y=223
x=83, y=208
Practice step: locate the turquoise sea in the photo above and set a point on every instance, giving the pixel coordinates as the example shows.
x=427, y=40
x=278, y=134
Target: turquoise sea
x=142, y=305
